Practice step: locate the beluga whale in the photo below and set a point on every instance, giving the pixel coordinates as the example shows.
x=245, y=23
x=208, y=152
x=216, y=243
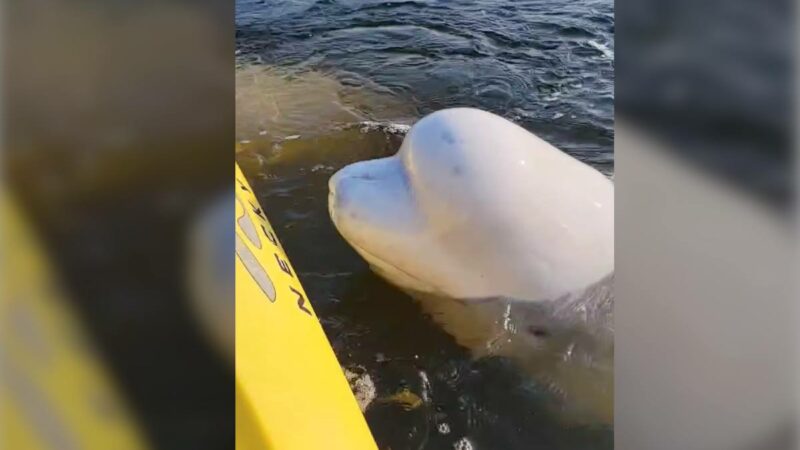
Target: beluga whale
x=507, y=241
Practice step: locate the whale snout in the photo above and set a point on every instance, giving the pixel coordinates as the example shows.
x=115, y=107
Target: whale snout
x=371, y=199
x=351, y=191
x=373, y=208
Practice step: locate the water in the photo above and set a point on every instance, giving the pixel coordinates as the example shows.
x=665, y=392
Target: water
x=323, y=84
x=548, y=65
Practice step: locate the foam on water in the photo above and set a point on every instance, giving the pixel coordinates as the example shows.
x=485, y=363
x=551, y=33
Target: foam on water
x=607, y=52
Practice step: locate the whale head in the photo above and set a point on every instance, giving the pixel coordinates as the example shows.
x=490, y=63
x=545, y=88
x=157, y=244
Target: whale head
x=474, y=206
x=507, y=242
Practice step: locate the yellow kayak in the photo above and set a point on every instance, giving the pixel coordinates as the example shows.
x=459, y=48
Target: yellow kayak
x=291, y=393
x=56, y=393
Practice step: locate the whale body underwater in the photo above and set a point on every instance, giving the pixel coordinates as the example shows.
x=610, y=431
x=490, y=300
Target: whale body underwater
x=507, y=242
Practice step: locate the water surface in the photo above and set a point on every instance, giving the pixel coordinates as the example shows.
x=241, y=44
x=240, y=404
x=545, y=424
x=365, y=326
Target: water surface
x=321, y=84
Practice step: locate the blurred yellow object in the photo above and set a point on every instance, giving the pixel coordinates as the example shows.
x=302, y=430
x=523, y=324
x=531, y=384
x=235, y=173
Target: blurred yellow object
x=54, y=391
x=291, y=393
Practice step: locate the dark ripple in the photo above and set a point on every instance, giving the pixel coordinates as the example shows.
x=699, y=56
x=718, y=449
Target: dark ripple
x=531, y=61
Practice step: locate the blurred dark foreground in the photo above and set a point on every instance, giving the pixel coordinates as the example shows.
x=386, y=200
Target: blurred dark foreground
x=706, y=311
x=118, y=120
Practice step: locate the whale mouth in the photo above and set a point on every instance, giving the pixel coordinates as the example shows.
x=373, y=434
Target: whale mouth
x=372, y=193
x=385, y=268
x=345, y=216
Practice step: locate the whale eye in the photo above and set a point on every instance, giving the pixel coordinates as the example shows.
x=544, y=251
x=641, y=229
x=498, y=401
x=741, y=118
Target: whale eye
x=538, y=332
